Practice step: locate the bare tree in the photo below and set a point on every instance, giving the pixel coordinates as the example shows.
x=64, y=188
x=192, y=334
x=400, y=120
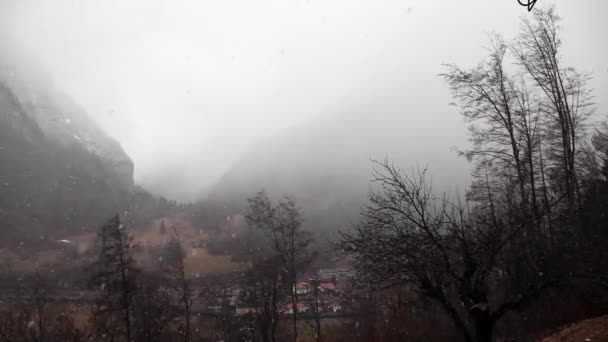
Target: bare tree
x=39, y=303
x=29, y=317
x=283, y=224
x=317, y=307
x=567, y=100
x=265, y=289
x=595, y=211
x=489, y=100
x=467, y=261
x=154, y=309
x=225, y=325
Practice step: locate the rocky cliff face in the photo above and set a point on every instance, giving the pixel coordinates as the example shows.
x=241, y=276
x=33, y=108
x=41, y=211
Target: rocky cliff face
x=62, y=121
x=58, y=170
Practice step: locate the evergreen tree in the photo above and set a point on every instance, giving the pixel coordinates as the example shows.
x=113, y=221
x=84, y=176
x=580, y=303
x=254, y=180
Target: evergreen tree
x=115, y=275
x=173, y=265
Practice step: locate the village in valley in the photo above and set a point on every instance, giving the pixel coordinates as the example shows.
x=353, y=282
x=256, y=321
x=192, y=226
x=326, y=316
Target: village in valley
x=326, y=294
x=218, y=281
x=320, y=291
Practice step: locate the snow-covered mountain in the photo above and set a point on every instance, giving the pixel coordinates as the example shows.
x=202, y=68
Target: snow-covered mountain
x=61, y=119
x=58, y=169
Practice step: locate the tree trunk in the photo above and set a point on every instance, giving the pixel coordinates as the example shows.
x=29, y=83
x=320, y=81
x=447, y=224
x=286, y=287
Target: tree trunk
x=294, y=277
x=188, y=335
x=484, y=326
x=316, y=312
x=294, y=301
x=185, y=299
x=274, y=312
x=125, y=291
x=547, y=210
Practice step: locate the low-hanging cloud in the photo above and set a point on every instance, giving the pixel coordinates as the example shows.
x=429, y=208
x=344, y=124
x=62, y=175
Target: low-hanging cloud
x=187, y=86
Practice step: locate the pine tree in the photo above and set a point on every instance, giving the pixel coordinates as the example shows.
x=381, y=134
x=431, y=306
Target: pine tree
x=115, y=275
x=173, y=265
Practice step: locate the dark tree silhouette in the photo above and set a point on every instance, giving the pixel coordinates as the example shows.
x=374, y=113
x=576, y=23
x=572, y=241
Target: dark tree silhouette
x=264, y=291
x=469, y=259
x=173, y=266
x=566, y=101
x=115, y=275
x=282, y=223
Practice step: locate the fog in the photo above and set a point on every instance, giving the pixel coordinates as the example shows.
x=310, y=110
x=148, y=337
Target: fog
x=188, y=86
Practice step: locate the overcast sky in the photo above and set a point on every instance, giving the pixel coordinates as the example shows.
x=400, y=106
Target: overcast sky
x=185, y=86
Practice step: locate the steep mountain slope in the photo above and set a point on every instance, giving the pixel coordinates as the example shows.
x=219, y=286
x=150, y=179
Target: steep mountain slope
x=58, y=170
x=326, y=163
